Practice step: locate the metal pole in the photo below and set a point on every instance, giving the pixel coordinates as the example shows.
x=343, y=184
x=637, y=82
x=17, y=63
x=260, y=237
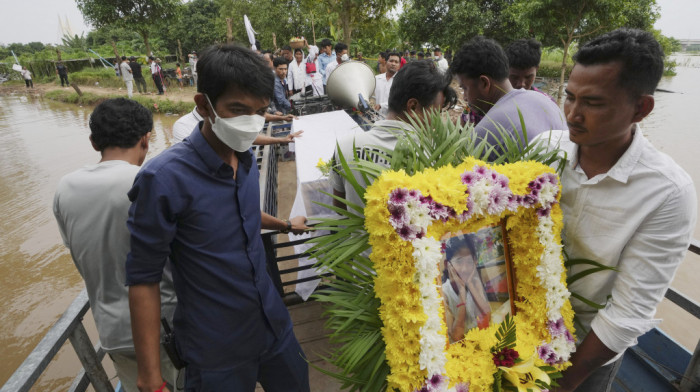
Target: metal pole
x=88, y=357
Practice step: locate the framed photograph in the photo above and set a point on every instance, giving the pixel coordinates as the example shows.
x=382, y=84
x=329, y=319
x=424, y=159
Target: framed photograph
x=476, y=281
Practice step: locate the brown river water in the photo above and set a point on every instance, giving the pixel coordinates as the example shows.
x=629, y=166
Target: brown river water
x=41, y=140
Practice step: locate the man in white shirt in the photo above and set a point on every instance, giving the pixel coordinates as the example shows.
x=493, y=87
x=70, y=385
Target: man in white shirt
x=419, y=87
x=127, y=76
x=341, y=55
x=440, y=61
x=384, y=82
x=156, y=74
x=625, y=204
x=97, y=236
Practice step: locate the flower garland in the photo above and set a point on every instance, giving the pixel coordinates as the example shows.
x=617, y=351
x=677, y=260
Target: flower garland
x=405, y=215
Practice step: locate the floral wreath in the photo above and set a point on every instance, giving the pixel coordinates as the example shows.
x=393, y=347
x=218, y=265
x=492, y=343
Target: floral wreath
x=406, y=215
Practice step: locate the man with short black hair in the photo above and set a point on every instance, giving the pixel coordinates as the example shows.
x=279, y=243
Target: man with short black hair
x=341, y=55
x=524, y=60
x=138, y=75
x=384, y=82
x=440, y=61
x=481, y=67
x=417, y=88
x=155, y=74
x=97, y=236
x=324, y=58
x=287, y=53
x=62, y=73
x=198, y=204
x=420, y=56
x=279, y=99
x=626, y=205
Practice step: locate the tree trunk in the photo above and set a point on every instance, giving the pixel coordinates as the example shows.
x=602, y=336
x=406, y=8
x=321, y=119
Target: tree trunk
x=560, y=94
x=144, y=34
x=179, y=52
x=116, y=54
x=229, y=31
x=345, y=22
x=58, y=54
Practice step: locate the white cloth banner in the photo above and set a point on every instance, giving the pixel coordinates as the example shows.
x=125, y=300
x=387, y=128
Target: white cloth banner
x=320, y=133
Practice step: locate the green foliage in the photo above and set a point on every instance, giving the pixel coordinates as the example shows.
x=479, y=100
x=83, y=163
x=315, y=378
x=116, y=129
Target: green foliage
x=154, y=105
x=506, y=335
x=105, y=77
x=353, y=314
x=197, y=26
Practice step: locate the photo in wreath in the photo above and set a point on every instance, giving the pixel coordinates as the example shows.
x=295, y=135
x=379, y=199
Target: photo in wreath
x=476, y=283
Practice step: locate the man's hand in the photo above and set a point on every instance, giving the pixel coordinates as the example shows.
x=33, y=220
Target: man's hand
x=290, y=138
x=299, y=225
x=377, y=107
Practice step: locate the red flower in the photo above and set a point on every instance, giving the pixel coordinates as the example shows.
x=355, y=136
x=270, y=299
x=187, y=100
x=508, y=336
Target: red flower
x=505, y=357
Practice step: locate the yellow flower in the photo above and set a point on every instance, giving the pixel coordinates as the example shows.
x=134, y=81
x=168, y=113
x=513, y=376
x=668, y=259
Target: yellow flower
x=524, y=375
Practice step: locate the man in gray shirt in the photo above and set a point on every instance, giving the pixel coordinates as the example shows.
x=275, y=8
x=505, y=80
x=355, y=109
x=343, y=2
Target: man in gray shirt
x=482, y=69
x=91, y=208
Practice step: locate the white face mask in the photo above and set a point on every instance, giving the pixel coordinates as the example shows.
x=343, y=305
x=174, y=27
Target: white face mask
x=344, y=57
x=239, y=132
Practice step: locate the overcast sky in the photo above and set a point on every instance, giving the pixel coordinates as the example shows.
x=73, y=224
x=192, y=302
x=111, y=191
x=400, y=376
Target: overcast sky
x=37, y=20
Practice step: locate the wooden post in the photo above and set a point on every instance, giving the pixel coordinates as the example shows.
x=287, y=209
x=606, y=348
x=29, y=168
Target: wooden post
x=179, y=52
x=313, y=29
x=88, y=357
x=77, y=89
x=229, y=31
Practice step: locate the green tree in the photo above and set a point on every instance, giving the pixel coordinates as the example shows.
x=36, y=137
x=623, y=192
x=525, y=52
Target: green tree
x=351, y=15
x=196, y=26
x=562, y=22
x=446, y=23
x=135, y=15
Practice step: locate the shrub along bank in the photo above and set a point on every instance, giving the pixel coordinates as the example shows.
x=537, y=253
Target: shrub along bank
x=154, y=105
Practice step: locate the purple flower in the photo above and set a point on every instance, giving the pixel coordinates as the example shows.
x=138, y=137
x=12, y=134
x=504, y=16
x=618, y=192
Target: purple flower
x=462, y=387
x=481, y=170
x=413, y=194
x=398, y=196
x=398, y=214
x=503, y=181
x=529, y=200
x=547, y=354
x=406, y=232
x=543, y=212
x=436, y=381
x=468, y=178
x=569, y=337
x=557, y=328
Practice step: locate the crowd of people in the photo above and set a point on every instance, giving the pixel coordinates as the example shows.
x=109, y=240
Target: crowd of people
x=179, y=237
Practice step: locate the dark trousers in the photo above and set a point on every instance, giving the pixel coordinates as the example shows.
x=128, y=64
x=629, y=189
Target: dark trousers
x=140, y=84
x=64, y=78
x=282, y=368
x=158, y=83
x=29, y=83
x=601, y=380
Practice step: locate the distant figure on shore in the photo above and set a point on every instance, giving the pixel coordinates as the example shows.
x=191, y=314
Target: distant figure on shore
x=138, y=76
x=127, y=77
x=178, y=74
x=440, y=61
x=155, y=74
x=98, y=238
x=524, y=60
x=62, y=73
x=27, y=77
x=193, y=67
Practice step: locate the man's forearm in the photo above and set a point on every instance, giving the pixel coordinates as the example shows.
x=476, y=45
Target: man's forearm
x=589, y=356
x=144, y=304
x=269, y=222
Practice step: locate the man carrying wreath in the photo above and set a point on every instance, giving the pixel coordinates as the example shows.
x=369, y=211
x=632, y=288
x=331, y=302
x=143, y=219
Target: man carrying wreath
x=625, y=204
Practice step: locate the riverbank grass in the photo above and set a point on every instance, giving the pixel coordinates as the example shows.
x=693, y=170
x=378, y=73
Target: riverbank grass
x=154, y=105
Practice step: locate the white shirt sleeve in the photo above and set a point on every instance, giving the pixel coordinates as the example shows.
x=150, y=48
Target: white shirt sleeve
x=646, y=269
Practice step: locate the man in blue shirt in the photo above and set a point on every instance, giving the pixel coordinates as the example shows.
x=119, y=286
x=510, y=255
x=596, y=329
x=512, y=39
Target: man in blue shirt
x=198, y=204
x=325, y=58
x=280, y=98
